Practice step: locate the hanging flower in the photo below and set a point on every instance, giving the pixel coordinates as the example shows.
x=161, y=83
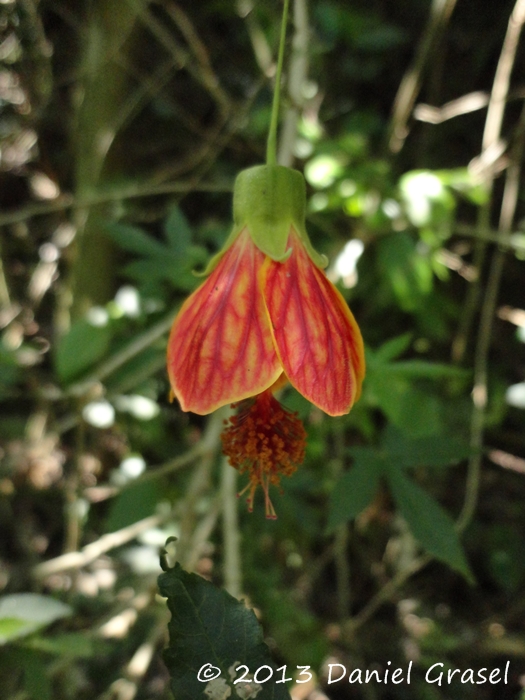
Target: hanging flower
x=267, y=312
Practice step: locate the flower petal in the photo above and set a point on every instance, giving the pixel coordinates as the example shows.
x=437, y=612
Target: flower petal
x=221, y=348
x=317, y=338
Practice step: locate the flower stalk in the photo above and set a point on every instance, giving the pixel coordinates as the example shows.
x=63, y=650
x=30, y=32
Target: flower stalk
x=271, y=148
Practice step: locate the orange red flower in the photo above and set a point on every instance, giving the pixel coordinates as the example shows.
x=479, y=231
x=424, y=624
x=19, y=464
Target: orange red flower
x=266, y=312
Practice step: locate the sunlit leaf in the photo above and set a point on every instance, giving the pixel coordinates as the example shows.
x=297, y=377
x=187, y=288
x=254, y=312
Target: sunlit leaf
x=31, y=610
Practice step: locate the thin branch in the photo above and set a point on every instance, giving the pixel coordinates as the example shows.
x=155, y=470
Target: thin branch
x=110, y=194
x=491, y=138
x=385, y=594
x=411, y=84
x=230, y=530
x=116, y=361
x=88, y=554
x=480, y=391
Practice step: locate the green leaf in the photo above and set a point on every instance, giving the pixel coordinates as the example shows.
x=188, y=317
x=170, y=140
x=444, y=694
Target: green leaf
x=355, y=489
x=428, y=370
x=429, y=523
x=405, y=269
x=177, y=231
x=209, y=626
x=80, y=349
x=392, y=348
x=134, y=502
x=432, y=451
x=135, y=240
x=74, y=644
x=172, y=262
x=24, y=613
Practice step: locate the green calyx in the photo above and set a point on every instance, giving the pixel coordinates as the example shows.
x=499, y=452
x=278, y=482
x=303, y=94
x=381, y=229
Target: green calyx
x=268, y=200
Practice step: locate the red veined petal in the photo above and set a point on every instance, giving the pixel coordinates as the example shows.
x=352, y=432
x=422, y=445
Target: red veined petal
x=220, y=348
x=317, y=338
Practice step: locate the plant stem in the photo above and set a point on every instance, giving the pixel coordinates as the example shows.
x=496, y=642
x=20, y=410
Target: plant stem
x=271, y=150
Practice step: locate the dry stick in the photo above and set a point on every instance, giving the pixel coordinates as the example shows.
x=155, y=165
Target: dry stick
x=261, y=48
x=411, y=83
x=198, y=48
x=491, y=138
x=127, y=686
x=508, y=207
x=385, y=594
x=198, y=488
x=88, y=554
x=230, y=530
x=205, y=77
x=479, y=393
x=95, y=494
x=118, y=359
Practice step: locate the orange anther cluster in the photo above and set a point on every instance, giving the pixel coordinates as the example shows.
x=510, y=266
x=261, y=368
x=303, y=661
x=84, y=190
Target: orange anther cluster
x=265, y=440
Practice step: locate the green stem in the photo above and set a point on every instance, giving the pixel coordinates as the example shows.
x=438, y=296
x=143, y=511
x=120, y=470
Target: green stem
x=271, y=149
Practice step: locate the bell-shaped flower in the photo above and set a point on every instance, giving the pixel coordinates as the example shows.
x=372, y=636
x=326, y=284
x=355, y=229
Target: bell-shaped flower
x=266, y=308
x=267, y=313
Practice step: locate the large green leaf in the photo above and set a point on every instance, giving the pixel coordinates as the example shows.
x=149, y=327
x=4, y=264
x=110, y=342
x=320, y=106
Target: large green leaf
x=428, y=522
x=355, y=489
x=210, y=629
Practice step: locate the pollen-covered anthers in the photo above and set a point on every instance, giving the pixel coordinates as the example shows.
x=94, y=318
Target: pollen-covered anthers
x=265, y=440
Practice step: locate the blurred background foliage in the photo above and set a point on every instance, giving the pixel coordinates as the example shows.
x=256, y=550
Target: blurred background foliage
x=122, y=126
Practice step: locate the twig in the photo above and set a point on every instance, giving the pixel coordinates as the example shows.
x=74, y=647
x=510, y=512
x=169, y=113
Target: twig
x=205, y=77
x=479, y=393
x=491, y=136
x=127, y=686
x=88, y=554
x=110, y=194
x=230, y=530
x=95, y=494
x=198, y=486
x=261, y=48
x=385, y=594
x=209, y=78
x=411, y=84
x=121, y=357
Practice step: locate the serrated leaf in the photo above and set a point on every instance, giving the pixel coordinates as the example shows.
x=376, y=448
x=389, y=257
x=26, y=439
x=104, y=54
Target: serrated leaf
x=209, y=626
x=80, y=349
x=432, y=526
x=356, y=488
